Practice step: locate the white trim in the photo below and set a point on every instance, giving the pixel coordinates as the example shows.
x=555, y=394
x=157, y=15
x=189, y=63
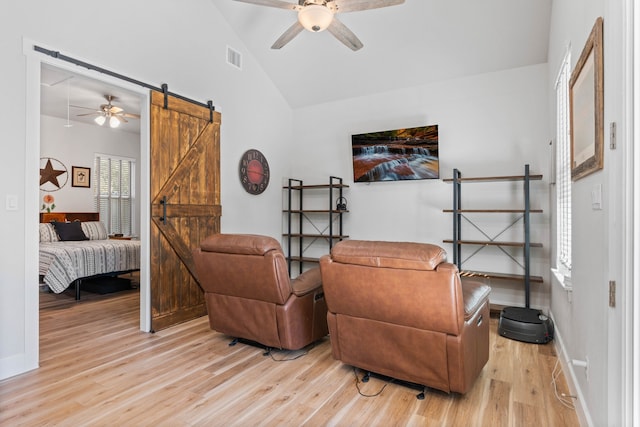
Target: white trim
x=566, y=59
x=563, y=279
x=631, y=318
x=582, y=410
x=34, y=62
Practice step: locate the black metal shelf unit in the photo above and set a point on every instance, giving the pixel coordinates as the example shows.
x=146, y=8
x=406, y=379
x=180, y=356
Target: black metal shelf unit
x=459, y=214
x=326, y=223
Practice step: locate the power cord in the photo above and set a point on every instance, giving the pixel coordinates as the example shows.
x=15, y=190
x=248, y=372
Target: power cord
x=566, y=400
x=269, y=352
x=355, y=374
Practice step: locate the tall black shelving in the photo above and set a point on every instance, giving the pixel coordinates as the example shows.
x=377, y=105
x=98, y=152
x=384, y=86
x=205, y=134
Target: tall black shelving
x=460, y=214
x=326, y=224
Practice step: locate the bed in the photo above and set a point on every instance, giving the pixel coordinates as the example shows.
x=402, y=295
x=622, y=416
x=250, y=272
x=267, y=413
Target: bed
x=75, y=246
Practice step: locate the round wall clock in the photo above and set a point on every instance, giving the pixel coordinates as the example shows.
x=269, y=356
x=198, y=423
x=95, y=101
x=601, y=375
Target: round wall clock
x=254, y=172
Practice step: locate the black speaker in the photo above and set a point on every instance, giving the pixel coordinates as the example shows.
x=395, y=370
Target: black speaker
x=341, y=204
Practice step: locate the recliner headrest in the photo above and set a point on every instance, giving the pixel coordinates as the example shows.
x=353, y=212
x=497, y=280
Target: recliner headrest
x=245, y=244
x=402, y=255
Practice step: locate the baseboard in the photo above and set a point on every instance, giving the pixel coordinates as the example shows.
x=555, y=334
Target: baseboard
x=584, y=417
x=16, y=365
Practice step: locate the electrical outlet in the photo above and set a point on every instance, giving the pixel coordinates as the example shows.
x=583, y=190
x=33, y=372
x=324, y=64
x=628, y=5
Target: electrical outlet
x=582, y=364
x=12, y=202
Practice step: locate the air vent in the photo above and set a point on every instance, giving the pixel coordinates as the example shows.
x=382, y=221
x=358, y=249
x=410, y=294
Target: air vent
x=234, y=58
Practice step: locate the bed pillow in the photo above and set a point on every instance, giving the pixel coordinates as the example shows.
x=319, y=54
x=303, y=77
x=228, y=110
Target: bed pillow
x=69, y=231
x=94, y=230
x=48, y=233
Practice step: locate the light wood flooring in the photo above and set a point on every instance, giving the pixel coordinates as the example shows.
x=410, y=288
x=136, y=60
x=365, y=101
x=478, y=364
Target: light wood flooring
x=98, y=369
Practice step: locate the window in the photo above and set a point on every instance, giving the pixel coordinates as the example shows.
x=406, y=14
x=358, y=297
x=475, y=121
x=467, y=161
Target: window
x=114, y=192
x=563, y=170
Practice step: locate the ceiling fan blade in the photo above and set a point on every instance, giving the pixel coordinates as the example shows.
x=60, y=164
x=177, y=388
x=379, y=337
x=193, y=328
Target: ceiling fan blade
x=115, y=110
x=288, y=35
x=130, y=115
x=85, y=108
x=120, y=118
x=273, y=3
x=356, y=5
x=95, y=113
x=345, y=35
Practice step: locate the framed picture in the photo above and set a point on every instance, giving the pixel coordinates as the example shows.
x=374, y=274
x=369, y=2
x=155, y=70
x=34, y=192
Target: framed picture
x=586, y=104
x=80, y=177
x=396, y=155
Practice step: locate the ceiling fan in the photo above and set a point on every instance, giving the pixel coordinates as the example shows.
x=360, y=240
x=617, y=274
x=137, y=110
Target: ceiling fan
x=109, y=112
x=319, y=15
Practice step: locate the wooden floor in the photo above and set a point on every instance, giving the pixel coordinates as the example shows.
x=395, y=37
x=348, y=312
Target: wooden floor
x=97, y=368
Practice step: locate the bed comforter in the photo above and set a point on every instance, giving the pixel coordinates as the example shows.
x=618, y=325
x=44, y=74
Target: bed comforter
x=61, y=263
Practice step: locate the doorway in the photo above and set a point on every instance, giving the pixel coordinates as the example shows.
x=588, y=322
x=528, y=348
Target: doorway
x=34, y=64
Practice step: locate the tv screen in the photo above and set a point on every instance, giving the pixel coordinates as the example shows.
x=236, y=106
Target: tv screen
x=395, y=155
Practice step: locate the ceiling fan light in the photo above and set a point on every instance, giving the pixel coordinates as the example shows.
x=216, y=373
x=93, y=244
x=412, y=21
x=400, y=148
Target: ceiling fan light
x=100, y=120
x=114, y=122
x=315, y=17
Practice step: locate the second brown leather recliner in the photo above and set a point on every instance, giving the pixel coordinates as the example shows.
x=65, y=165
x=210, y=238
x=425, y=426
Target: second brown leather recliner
x=249, y=294
x=400, y=310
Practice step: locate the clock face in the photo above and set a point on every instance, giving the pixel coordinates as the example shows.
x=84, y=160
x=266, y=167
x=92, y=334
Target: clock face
x=254, y=172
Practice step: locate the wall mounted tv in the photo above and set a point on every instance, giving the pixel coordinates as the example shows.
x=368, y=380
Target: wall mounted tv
x=396, y=155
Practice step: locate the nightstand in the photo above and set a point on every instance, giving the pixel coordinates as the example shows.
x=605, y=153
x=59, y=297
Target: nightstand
x=120, y=237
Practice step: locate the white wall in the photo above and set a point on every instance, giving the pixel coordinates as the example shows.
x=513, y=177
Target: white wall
x=491, y=124
x=586, y=327
x=77, y=146
x=190, y=56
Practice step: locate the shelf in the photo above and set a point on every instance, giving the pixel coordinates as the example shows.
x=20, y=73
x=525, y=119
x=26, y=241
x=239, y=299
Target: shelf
x=493, y=210
x=315, y=236
x=316, y=186
x=304, y=259
x=497, y=178
x=307, y=228
x=502, y=276
x=494, y=243
x=320, y=211
x=459, y=215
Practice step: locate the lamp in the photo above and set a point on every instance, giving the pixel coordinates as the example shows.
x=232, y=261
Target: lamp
x=113, y=120
x=315, y=17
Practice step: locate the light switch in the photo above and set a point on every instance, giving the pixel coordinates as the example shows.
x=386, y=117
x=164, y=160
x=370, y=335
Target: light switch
x=596, y=197
x=12, y=202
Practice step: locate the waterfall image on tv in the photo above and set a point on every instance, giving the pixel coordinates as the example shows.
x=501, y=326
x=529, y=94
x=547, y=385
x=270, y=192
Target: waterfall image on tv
x=395, y=155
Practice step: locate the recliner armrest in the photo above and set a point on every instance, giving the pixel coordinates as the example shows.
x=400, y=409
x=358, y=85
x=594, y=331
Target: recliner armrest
x=474, y=295
x=307, y=282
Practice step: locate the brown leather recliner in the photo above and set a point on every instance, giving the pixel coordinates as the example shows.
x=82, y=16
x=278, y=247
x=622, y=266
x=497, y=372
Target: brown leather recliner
x=400, y=310
x=249, y=294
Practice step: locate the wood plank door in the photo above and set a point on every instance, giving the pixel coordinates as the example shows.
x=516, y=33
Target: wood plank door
x=185, y=204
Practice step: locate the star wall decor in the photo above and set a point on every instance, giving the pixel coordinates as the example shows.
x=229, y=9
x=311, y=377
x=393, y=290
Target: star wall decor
x=53, y=175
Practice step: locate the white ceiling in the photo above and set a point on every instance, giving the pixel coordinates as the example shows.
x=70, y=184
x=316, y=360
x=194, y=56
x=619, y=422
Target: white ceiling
x=415, y=43
x=407, y=45
x=85, y=92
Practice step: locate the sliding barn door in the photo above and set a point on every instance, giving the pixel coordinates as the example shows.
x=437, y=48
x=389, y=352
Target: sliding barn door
x=185, y=204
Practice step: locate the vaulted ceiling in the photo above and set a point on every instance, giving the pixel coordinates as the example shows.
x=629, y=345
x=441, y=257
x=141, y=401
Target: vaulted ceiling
x=415, y=43
x=418, y=42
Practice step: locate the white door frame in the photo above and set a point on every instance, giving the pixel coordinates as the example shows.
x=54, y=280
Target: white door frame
x=34, y=61
x=632, y=320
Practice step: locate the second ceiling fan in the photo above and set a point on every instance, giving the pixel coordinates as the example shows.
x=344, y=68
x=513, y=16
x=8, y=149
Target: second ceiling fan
x=319, y=15
x=109, y=113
